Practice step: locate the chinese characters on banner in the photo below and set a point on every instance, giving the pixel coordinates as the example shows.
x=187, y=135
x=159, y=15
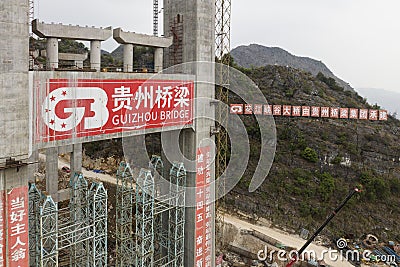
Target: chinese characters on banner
x=95, y=107
x=2, y=238
x=203, y=208
x=308, y=111
x=17, y=230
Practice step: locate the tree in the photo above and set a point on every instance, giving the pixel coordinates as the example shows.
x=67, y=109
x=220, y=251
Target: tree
x=310, y=154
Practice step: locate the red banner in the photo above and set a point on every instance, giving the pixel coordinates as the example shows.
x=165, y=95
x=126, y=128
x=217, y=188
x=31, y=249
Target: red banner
x=203, y=208
x=18, y=227
x=2, y=239
x=314, y=111
x=95, y=107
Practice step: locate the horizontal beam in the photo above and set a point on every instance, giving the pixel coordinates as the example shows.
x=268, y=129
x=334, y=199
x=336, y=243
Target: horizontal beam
x=68, y=56
x=141, y=39
x=61, y=31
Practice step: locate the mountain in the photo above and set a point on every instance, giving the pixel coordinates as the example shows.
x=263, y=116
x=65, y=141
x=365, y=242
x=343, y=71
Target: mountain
x=255, y=55
x=318, y=161
x=384, y=98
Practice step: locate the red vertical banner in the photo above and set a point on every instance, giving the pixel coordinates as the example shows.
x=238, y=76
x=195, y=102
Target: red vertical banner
x=208, y=213
x=203, y=209
x=18, y=228
x=2, y=238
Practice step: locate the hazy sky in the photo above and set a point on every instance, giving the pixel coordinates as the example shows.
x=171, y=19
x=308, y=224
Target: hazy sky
x=359, y=40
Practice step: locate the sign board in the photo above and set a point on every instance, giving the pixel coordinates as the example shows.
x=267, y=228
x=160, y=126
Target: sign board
x=203, y=213
x=313, y=111
x=2, y=236
x=92, y=107
x=18, y=227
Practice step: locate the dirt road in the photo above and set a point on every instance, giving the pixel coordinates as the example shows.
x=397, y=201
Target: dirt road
x=286, y=239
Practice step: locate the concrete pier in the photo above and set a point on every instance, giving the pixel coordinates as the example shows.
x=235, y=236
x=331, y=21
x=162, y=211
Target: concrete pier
x=198, y=19
x=128, y=57
x=158, y=59
x=59, y=31
x=52, y=53
x=129, y=39
x=95, y=55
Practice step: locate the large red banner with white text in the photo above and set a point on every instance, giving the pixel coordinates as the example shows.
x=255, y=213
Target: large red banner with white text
x=18, y=228
x=88, y=107
x=203, y=208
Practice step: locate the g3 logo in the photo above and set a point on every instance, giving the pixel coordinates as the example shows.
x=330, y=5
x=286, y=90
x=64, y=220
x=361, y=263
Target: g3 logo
x=66, y=107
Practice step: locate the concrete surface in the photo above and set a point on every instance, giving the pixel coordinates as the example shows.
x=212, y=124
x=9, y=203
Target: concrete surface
x=14, y=103
x=198, y=45
x=123, y=37
x=44, y=30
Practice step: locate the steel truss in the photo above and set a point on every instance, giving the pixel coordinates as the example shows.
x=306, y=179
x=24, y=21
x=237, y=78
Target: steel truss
x=161, y=207
x=48, y=245
x=222, y=41
x=76, y=235
x=124, y=216
x=177, y=215
x=34, y=230
x=98, y=195
x=78, y=232
x=144, y=234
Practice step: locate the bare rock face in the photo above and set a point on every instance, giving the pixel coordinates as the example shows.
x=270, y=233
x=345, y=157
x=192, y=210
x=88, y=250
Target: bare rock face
x=255, y=55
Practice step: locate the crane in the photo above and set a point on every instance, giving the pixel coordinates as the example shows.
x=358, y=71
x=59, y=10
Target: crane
x=155, y=17
x=333, y=214
x=222, y=44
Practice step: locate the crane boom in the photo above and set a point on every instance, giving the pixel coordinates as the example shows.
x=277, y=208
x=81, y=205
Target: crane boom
x=333, y=214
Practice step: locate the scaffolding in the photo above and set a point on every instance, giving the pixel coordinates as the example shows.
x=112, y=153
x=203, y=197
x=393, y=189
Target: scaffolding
x=34, y=229
x=144, y=234
x=177, y=215
x=48, y=245
x=78, y=232
x=222, y=53
x=124, y=216
x=155, y=17
x=74, y=236
x=161, y=207
x=159, y=215
x=98, y=211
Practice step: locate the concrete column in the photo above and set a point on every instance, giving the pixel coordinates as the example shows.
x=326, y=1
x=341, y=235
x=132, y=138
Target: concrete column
x=76, y=159
x=95, y=55
x=52, y=53
x=52, y=171
x=198, y=45
x=128, y=57
x=158, y=59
